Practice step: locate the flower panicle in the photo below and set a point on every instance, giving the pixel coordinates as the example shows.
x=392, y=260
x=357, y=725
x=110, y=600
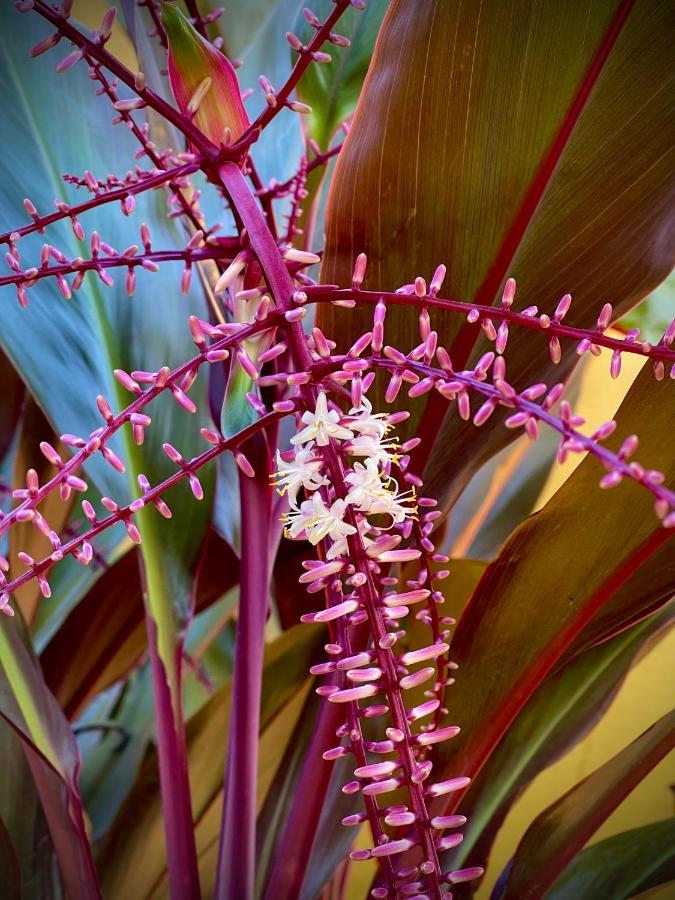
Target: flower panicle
x=366, y=526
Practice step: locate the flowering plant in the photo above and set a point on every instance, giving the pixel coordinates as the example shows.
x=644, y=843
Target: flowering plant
x=246, y=474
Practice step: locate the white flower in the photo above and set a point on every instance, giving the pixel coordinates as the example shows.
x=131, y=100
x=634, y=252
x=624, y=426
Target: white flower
x=322, y=425
x=383, y=451
x=369, y=423
x=317, y=521
x=303, y=471
x=370, y=494
x=366, y=484
x=393, y=504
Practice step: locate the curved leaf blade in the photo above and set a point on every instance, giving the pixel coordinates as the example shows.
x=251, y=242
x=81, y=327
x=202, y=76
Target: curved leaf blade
x=562, y=711
x=569, y=559
x=560, y=832
x=516, y=137
x=621, y=866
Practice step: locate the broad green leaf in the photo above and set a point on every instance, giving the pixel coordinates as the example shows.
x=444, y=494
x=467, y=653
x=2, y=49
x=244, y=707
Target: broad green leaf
x=133, y=859
x=520, y=139
x=562, y=711
x=559, y=833
x=620, y=866
x=557, y=570
x=81, y=342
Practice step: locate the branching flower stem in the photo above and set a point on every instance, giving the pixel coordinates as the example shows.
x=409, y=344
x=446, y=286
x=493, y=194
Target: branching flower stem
x=124, y=513
x=331, y=293
x=100, y=199
x=94, y=264
x=305, y=59
x=92, y=446
x=100, y=54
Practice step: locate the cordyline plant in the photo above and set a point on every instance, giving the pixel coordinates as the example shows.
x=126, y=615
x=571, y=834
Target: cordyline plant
x=295, y=438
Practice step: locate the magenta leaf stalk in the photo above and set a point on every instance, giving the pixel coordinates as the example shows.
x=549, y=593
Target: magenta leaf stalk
x=236, y=855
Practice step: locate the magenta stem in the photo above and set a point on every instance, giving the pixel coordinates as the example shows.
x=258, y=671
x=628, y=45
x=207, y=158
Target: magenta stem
x=137, y=187
x=236, y=855
x=302, y=64
x=29, y=276
x=174, y=783
x=331, y=293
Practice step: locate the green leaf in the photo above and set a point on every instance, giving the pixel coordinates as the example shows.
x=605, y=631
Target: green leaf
x=559, y=833
x=82, y=341
x=26, y=840
x=562, y=711
x=554, y=575
x=620, y=866
x=333, y=88
x=502, y=139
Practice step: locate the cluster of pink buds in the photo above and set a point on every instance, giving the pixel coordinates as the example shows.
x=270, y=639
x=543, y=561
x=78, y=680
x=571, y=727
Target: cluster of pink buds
x=365, y=526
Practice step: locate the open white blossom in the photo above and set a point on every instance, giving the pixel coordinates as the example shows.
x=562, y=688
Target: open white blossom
x=304, y=470
x=322, y=425
x=363, y=420
x=371, y=493
x=365, y=484
x=382, y=450
x=317, y=521
x=340, y=547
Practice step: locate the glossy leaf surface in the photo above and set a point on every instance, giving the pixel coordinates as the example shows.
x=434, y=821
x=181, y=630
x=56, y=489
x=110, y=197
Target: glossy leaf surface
x=621, y=866
x=562, y=711
x=502, y=661
x=538, y=117
x=561, y=831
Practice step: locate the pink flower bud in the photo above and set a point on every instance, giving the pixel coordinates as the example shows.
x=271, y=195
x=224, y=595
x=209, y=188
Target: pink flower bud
x=203, y=80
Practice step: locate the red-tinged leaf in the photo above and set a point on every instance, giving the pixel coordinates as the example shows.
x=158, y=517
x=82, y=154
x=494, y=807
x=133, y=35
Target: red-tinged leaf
x=52, y=755
x=108, y=627
x=203, y=80
x=562, y=711
x=27, y=835
x=621, y=866
x=505, y=139
x=132, y=860
x=559, y=833
x=10, y=868
x=557, y=570
x=644, y=594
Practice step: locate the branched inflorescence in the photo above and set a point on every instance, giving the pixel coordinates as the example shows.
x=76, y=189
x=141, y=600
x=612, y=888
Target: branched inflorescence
x=350, y=489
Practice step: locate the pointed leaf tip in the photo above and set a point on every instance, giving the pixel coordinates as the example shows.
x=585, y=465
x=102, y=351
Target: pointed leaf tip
x=203, y=81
